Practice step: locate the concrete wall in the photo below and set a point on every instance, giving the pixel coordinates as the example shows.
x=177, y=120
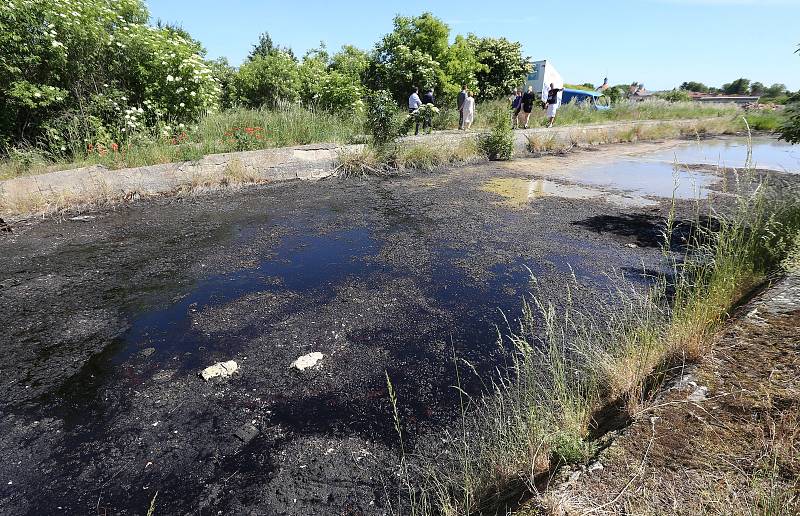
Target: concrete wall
x=68, y=187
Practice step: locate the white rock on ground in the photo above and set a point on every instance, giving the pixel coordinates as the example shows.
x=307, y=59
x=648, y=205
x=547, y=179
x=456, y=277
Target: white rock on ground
x=595, y=466
x=307, y=361
x=220, y=369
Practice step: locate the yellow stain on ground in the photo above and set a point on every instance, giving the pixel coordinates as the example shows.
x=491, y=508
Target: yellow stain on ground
x=513, y=190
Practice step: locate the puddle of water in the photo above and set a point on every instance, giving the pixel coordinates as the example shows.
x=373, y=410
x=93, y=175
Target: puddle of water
x=517, y=192
x=653, y=174
x=544, y=188
x=310, y=264
x=732, y=152
x=300, y=264
x=645, y=179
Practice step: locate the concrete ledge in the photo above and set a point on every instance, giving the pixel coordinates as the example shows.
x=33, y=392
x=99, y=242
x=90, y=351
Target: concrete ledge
x=564, y=134
x=57, y=190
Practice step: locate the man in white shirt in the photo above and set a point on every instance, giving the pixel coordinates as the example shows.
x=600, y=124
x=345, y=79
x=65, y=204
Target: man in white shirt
x=414, y=103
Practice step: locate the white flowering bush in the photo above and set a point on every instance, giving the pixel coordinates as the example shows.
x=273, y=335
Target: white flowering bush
x=380, y=120
x=422, y=115
x=75, y=71
x=340, y=93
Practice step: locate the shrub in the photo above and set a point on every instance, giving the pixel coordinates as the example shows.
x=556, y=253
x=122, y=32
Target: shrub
x=789, y=130
x=425, y=115
x=267, y=80
x=381, y=110
x=764, y=120
x=675, y=96
x=339, y=92
x=77, y=67
x=499, y=143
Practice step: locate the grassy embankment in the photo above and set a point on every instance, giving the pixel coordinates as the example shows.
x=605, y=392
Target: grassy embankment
x=571, y=372
x=295, y=125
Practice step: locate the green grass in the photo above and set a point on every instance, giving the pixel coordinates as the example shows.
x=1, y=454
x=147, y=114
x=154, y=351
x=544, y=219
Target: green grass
x=285, y=126
x=570, y=114
x=295, y=125
x=566, y=364
x=394, y=158
x=764, y=120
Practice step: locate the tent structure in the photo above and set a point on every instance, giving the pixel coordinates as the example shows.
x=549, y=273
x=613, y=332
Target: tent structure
x=543, y=74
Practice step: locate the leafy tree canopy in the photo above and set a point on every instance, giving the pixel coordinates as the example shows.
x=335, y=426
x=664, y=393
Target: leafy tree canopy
x=740, y=86
x=504, y=67
x=94, y=70
x=266, y=47
x=698, y=87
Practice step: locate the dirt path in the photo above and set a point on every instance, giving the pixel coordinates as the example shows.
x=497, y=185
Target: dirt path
x=724, y=439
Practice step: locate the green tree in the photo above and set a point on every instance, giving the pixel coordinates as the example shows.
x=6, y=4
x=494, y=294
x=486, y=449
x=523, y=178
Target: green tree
x=504, y=67
x=776, y=90
x=413, y=54
x=790, y=128
x=740, y=86
x=351, y=62
x=267, y=80
x=332, y=85
x=339, y=92
x=312, y=71
x=462, y=65
x=425, y=33
x=224, y=75
x=266, y=47
x=416, y=53
x=698, y=87
x=85, y=69
x=757, y=88
x=616, y=93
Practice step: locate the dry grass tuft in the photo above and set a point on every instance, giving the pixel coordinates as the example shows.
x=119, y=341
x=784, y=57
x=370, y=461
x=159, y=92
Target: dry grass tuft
x=393, y=159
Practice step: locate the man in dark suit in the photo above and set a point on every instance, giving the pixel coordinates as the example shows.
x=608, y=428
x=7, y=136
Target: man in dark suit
x=428, y=98
x=462, y=96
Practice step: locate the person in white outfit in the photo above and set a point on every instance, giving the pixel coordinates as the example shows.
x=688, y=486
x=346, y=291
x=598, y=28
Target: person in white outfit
x=414, y=103
x=553, y=102
x=469, y=110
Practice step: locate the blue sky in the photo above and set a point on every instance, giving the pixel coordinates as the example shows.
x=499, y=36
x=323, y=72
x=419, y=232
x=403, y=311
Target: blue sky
x=658, y=42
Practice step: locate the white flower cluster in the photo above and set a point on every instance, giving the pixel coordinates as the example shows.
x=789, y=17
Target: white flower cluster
x=179, y=83
x=133, y=117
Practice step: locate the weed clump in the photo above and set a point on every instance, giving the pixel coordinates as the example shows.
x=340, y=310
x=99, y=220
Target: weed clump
x=498, y=144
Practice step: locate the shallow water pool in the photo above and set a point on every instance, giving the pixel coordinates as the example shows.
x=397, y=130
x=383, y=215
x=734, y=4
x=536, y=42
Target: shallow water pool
x=768, y=153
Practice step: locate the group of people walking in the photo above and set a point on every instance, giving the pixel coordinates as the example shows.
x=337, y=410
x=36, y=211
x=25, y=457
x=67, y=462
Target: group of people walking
x=414, y=103
x=521, y=106
x=465, y=101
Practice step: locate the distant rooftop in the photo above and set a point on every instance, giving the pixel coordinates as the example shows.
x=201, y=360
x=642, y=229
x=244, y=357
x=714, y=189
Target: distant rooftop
x=715, y=97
